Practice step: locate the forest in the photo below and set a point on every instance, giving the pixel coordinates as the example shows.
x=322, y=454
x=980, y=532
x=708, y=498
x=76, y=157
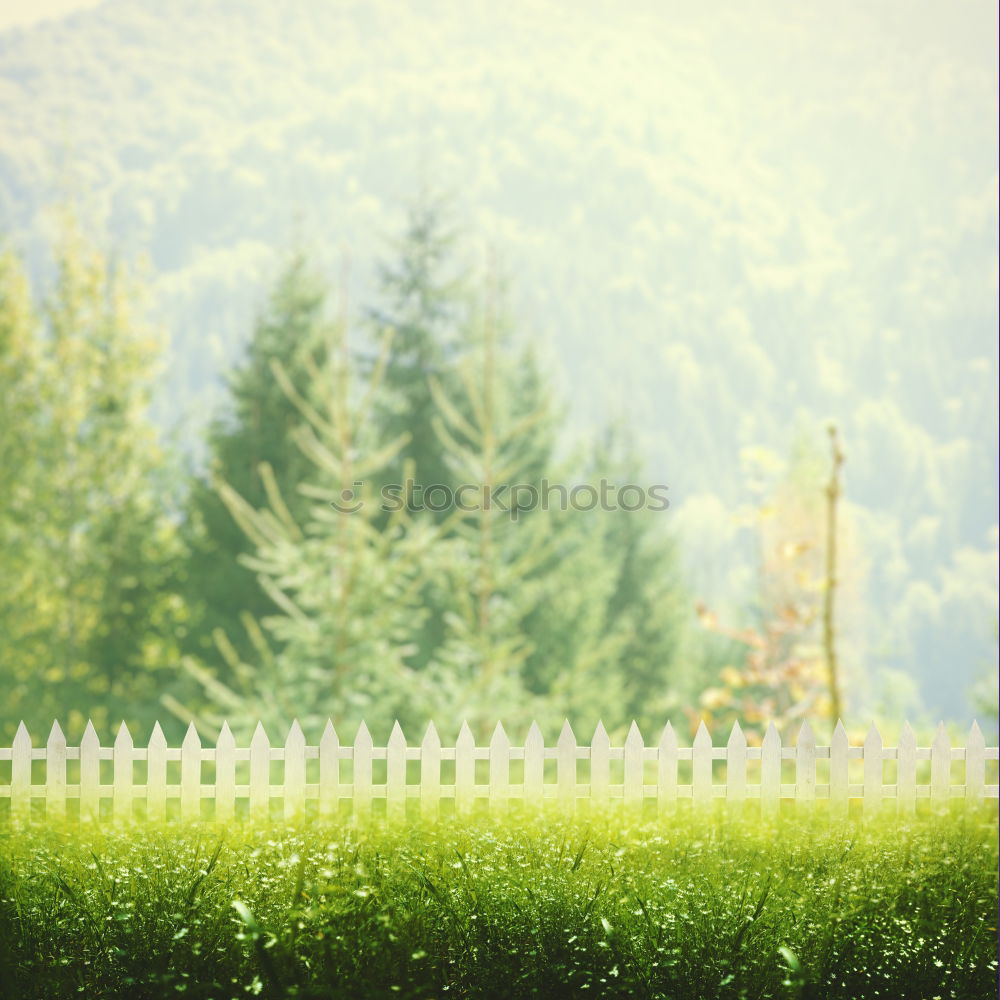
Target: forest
x=681, y=277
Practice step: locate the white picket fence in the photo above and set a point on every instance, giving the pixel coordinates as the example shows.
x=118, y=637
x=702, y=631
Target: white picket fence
x=646, y=773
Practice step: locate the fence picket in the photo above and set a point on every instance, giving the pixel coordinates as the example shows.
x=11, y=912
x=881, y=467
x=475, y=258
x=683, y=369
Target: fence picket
x=55, y=773
x=156, y=775
x=566, y=768
x=329, y=771
x=534, y=768
x=736, y=766
x=873, y=771
x=294, y=805
x=121, y=804
x=499, y=769
x=296, y=793
x=260, y=774
x=362, y=776
x=941, y=766
x=465, y=770
x=805, y=764
x=666, y=770
x=839, y=771
x=430, y=773
x=20, y=776
x=600, y=768
x=90, y=774
x=906, y=770
x=770, y=770
x=634, y=772
x=395, y=774
x=975, y=763
x=191, y=774
x=701, y=767
x=225, y=775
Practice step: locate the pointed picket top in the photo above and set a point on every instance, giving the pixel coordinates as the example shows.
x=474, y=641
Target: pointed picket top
x=668, y=740
x=566, y=768
x=295, y=738
x=906, y=770
x=701, y=765
x=907, y=737
x=839, y=788
x=941, y=740
x=806, y=738
x=465, y=769
x=329, y=736
x=534, y=766
x=191, y=739
x=634, y=737
x=975, y=762
x=90, y=737
x=20, y=777
x=499, y=739
x=736, y=766
x=772, y=738
x=839, y=735
x=534, y=738
x=975, y=740
x=396, y=737
x=805, y=763
x=157, y=740
x=872, y=770
x=55, y=773
x=600, y=767
x=874, y=737
x=123, y=739
x=465, y=738
x=632, y=776
x=567, y=738
x=259, y=738
x=225, y=740
x=941, y=764
x=431, y=738
x=737, y=738
x=770, y=770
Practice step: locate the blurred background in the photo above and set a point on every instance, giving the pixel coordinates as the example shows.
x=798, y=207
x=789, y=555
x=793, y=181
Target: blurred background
x=257, y=252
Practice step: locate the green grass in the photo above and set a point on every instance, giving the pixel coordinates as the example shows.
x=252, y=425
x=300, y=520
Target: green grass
x=724, y=909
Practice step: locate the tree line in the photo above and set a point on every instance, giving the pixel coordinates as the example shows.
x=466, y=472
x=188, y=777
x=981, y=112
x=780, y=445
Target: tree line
x=272, y=583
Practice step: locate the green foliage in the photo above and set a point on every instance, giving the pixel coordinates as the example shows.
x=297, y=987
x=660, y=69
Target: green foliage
x=497, y=605
x=258, y=429
x=422, y=303
x=729, y=911
x=86, y=521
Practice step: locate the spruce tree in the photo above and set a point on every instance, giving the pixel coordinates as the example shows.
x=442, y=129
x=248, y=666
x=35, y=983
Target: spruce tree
x=258, y=429
x=422, y=303
x=344, y=582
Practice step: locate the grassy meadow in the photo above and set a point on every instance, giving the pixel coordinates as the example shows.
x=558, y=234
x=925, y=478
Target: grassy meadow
x=705, y=909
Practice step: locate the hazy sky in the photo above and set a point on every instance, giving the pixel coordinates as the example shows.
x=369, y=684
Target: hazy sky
x=21, y=12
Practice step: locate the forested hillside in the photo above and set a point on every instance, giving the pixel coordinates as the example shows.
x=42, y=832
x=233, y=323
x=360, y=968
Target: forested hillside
x=724, y=231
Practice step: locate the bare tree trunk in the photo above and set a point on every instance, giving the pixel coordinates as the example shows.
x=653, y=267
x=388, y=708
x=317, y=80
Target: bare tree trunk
x=829, y=591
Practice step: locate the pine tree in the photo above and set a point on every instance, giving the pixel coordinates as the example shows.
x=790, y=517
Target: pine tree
x=344, y=583
x=497, y=437
x=258, y=430
x=422, y=302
